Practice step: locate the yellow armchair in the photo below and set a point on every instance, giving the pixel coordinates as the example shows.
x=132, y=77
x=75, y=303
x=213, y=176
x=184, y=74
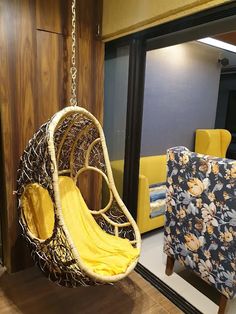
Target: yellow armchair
x=152, y=170
x=212, y=142
x=117, y=167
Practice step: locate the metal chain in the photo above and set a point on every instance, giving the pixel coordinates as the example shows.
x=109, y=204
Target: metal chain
x=73, y=69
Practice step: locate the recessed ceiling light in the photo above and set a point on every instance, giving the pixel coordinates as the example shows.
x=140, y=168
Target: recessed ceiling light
x=218, y=43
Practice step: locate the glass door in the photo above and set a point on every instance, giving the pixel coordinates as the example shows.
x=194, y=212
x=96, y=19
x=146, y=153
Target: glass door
x=189, y=85
x=115, y=109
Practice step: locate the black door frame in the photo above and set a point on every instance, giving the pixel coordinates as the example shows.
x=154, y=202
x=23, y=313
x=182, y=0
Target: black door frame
x=138, y=46
x=134, y=123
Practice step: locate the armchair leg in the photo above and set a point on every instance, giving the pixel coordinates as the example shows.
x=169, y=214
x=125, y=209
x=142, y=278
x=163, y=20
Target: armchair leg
x=222, y=304
x=170, y=265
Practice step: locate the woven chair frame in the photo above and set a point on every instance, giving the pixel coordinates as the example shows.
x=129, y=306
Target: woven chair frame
x=69, y=144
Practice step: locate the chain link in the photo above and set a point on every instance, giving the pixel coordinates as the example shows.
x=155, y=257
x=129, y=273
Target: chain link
x=73, y=69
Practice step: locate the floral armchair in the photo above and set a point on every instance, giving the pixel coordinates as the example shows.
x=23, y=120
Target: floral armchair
x=200, y=227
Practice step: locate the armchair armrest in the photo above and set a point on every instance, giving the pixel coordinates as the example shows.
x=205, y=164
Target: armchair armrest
x=144, y=222
x=143, y=196
x=117, y=167
x=143, y=208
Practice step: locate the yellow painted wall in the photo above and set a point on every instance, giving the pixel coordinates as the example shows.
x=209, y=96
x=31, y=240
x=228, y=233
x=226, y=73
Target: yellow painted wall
x=122, y=17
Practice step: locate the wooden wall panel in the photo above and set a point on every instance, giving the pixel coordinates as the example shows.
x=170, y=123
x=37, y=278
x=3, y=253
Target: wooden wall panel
x=49, y=15
x=34, y=84
x=17, y=114
x=49, y=75
x=91, y=63
x=90, y=57
x=6, y=134
x=229, y=38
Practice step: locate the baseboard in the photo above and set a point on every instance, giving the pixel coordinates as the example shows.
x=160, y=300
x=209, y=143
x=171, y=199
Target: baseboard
x=168, y=292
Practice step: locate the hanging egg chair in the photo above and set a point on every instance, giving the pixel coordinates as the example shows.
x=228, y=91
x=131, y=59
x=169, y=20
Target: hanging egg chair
x=72, y=244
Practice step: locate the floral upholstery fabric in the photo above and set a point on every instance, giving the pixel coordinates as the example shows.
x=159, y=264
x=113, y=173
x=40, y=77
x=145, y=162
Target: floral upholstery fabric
x=200, y=227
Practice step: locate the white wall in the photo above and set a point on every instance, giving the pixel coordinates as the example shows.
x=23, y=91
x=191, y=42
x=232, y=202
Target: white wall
x=181, y=91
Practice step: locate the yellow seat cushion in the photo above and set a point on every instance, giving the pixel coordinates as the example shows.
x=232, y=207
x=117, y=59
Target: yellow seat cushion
x=103, y=253
x=38, y=211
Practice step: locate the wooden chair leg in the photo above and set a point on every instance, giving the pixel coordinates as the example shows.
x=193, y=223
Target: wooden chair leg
x=222, y=304
x=170, y=265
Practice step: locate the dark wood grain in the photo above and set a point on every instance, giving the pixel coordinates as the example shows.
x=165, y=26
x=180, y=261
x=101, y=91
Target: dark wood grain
x=34, y=84
x=229, y=38
x=222, y=304
x=49, y=15
x=29, y=293
x=91, y=58
x=17, y=114
x=49, y=75
x=90, y=80
x=170, y=262
x=6, y=134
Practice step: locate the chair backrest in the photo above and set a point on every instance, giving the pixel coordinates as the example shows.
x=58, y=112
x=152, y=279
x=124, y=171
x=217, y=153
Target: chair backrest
x=154, y=168
x=200, y=228
x=70, y=144
x=212, y=142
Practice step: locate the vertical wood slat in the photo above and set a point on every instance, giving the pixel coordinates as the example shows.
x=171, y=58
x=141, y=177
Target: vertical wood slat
x=98, y=86
x=49, y=15
x=6, y=134
x=49, y=75
x=91, y=58
x=90, y=82
x=17, y=114
x=23, y=109
x=34, y=85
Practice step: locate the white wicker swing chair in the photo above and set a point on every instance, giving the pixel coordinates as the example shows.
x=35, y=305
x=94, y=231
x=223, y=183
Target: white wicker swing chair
x=70, y=143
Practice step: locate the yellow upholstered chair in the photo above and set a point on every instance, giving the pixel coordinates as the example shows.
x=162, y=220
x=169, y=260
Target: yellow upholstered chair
x=117, y=167
x=212, y=142
x=152, y=170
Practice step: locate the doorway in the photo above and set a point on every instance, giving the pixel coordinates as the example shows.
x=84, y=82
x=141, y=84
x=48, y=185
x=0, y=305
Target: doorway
x=144, y=47
x=181, y=89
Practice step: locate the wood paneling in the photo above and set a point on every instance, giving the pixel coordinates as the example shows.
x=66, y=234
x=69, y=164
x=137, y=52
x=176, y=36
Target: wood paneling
x=229, y=38
x=49, y=15
x=29, y=293
x=17, y=114
x=5, y=132
x=49, y=75
x=34, y=85
x=90, y=90
x=90, y=57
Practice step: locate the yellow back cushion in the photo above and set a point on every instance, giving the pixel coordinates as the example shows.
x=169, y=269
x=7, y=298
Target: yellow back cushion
x=212, y=142
x=38, y=211
x=118, y=173
x=103, y=253
x=154, y=168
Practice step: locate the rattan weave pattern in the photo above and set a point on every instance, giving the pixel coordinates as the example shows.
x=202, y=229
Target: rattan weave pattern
x=78, y=142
